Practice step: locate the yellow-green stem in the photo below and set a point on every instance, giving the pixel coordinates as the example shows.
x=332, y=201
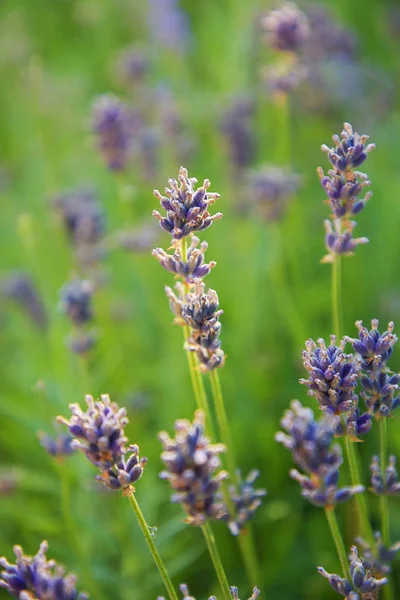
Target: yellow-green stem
x=216, y=559
x=337, y=538
x=152, y=547
x=383, y=502
x=364, y=524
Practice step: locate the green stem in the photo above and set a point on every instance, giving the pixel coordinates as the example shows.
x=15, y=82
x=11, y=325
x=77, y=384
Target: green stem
x=337, y=538
x=364, y=524
x=282, y=126
x=152, y=547
x=216, y=559
x=383, y=501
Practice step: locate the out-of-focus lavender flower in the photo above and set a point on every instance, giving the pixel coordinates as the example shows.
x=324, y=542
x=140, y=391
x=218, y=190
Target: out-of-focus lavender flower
x=238, y=131
x=270, y=189
x=82, y=215
x=377, y=559
x=125, y=472
x=133, y=66
x=139, y=239
x=193, y=470
x=362, y=584
x=36, y=577
x=340, y=241
x=99, y=431
x=20, y=288
x=328, y=39
x=187, y=208
x=168, y=25
x=386, y=484
x=112, y=127
x=76, y=301
x=147, y=146
x=191, y=269
x=284, y=77
x=310, y=443
x=58, y=446
x=246, y=500
x=234, y=593
x=287, y=28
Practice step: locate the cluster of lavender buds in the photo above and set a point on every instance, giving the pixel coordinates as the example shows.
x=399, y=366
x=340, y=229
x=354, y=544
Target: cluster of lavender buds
x=362, y=584
x=76, y=303
x=385, y=484
x=270, y=189
x=112, y=126
x=333, y=377
x=168, y=25
x=238, y=131
x=287, y=31
x=99, y=433
x=377, y=559
x=343, y=185
x=20, y=288
x=193, y=469
x=200, y=311
x=234, y=593
x=35, y=577
x=380, y=386
x=84, y=222
x=310, y=443
x=187, y=212
x=246, y=500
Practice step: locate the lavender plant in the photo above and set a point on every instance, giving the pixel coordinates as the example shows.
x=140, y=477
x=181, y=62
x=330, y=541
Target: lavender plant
x=76, y=304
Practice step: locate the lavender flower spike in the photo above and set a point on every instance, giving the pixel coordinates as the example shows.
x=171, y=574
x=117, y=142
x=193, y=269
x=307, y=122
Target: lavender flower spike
x=35, y=577
x=377, y=558
x=111, y=125
x=246, y=500
x=190, y=268
x=362, y=584
x=350, y=151
x=98, y=431
x=386, y=484
x=287, y=28
x=374, y=348
x=193, y=470
x=187, y=207
x=340, y=242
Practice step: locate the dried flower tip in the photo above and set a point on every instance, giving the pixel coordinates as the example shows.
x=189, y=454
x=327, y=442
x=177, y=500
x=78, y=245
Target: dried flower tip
x=187, y=208
x=287, y=28
x=340, y=242
x=98, y=431
x=193, y=470
x=36, y=577
x=190, y=268
x=111, y=125
x=76, y=301
x=350, y=151
x=125, y=472
x=362, y=582
x=386, y=484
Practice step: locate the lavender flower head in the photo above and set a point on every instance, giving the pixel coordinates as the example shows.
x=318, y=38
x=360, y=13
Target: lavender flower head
x=187, y=207
x=246, y=500
x=193, y=470
x=377, y=559
x=112, y=127
x=350, y=151
x=168, y=25
x=374, y=348
x=270, y=188
x=310, y=443
x=82, y=215
x=76, y=301
x=234, y=593
x=362, y=584
x=385, y=484
x=99, y=431
x=38, y=578
x=287, y=28
x=20, y=288
x=339, y=241
x=238, y=131
x=133, y=65
x=126, y=471
x=58, y=446
x=192, y=267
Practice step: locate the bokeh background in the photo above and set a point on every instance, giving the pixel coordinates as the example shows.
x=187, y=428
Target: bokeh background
x=202, y=101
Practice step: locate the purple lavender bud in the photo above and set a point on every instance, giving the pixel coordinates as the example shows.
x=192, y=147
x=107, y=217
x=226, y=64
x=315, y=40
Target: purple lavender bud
x=233, y=589
x=362, y=584
x=388, y=484
x=20, y=288
x=125, y=472
x=340, y=242
x=343, y=192
x=193, y=267
x=76, y=301
x=187, y=208
x=82, y=215
x=246, y=500
x=349, y=152
x=168, y=25
x=333, y=375
x=235, y=593
x=354, y=425
x=98, y=431
x=287, y=28
x=58, y=446
x=270, y=188
x=377, y=558
x=193, y=470
x=238, y=130
x=39, y=578
x=374, y=348
x=112, y=127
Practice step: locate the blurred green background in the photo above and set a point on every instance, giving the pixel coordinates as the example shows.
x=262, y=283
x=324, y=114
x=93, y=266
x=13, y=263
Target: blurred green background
x=55, y=58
